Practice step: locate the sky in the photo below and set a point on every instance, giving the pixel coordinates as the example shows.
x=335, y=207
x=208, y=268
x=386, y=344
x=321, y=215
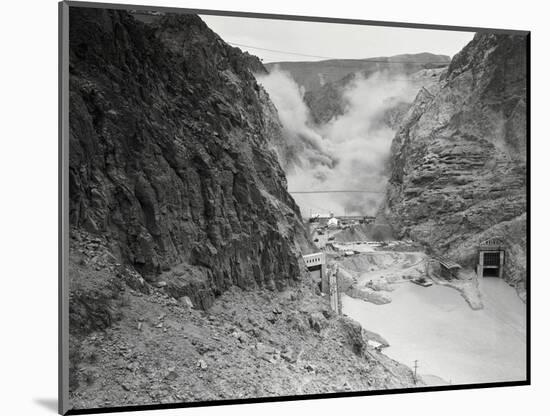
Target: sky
x=351, y=150
x=330, y=40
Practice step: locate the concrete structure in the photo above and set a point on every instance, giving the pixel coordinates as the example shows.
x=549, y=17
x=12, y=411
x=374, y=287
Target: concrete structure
x=334, y=292
x=448, y=269
x=490, y=258
x=316, y=264
x=333, y=221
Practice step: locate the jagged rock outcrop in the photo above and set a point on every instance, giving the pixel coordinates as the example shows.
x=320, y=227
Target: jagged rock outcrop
x=458, y=162
x=171, y=155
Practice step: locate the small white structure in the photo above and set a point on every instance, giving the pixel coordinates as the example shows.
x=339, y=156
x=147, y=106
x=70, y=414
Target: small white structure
x=314, y=260
x=332, y=222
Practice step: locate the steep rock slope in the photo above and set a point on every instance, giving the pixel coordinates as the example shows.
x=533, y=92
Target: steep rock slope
x=459, y=159
x=177, y=203
x=171, y=155
x=249, y=344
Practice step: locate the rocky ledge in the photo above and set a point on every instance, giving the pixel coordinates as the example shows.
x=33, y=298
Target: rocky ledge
x=458, y=162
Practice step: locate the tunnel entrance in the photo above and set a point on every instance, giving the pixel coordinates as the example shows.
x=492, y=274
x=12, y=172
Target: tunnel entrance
x=491, y=272
x=491, y=258
x=491, y=264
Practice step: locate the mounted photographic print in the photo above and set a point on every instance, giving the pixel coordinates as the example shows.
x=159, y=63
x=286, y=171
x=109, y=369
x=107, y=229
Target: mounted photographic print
x=263, y=207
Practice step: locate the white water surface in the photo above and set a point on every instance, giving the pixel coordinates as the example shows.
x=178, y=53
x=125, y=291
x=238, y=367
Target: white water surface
x=435, y=326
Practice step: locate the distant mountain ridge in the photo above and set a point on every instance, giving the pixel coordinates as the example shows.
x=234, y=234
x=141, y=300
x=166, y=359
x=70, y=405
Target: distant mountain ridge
x=329, y=101
x=313, y=75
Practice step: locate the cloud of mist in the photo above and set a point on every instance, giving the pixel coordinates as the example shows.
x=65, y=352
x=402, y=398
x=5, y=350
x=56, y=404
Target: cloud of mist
x=305, y=145
x=349, y=152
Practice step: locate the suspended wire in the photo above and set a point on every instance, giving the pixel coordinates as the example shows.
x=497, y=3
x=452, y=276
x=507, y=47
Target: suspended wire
x=384, y=61
x=314, y=207
x=336, y=192
x=278, y=51
x=307, y=205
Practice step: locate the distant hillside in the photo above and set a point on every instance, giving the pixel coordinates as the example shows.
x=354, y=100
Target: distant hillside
x=330, y=101
x=313, y=75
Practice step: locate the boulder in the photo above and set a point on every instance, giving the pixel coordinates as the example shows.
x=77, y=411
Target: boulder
x=317, y=321
x=353, y=335
x=369, y=295
x=345, y=279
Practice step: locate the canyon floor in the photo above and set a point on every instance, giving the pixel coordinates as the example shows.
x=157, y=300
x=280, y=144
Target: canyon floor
x=262, y=343
x=368, y=269
x=458, y=331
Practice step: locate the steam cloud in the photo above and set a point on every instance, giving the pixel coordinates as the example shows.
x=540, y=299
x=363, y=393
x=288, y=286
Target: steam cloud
x=349, y=152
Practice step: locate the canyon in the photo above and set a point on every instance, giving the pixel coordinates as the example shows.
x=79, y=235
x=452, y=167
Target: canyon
x=185, y=245
x=187, y=281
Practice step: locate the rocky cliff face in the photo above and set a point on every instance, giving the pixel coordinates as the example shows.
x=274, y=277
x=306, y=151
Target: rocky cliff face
x=177, y=203
x=171, y=158
x=459, y=159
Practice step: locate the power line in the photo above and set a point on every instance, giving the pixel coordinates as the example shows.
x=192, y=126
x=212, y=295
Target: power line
x=278, y=51
x=336, y=192
x=312, y=207
x=384, y=61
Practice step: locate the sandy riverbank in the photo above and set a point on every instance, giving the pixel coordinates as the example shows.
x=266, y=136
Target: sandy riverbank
x=374, y=271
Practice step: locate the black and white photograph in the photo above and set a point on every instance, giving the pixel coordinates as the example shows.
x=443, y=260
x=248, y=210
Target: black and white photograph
x=269, y=208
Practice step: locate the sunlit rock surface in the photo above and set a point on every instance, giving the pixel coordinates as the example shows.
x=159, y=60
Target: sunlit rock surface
x=458, y=162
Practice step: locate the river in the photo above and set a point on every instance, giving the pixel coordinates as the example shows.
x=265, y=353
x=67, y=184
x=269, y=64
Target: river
x=435, y=326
